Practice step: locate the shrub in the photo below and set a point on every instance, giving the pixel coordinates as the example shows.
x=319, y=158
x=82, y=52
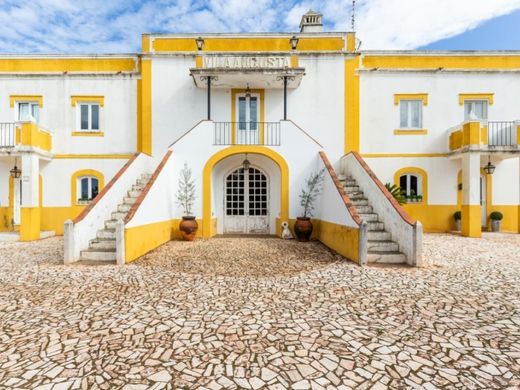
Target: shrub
x=397, y=192
x=457, y=216
x=496, y=216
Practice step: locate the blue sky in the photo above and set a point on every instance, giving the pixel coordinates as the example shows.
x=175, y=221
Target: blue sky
x=115, y=26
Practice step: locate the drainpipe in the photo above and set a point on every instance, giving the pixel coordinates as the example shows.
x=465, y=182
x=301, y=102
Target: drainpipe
x=209, y=98
x=284, y=98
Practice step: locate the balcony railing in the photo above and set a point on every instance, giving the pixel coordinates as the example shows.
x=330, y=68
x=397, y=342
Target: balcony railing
x=502, y=133
x=247, y=133
x=7, y=135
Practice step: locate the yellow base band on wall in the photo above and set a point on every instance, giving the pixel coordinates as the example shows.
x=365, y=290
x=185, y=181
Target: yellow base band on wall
x=30, y=224
x=471, y=221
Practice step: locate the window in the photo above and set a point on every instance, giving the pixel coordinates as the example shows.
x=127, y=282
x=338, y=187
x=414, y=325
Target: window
x=88, y=116
x=29, y=111
x=476, y=110
x=411, y=184
x=411, y=114
x=88, y=188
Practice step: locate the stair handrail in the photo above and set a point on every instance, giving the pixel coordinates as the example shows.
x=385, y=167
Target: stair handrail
x=105, y=189
x=147, y=187
x=400, y=210
x=346, y=199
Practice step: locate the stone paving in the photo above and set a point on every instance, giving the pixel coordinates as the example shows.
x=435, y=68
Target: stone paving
x=248, y=313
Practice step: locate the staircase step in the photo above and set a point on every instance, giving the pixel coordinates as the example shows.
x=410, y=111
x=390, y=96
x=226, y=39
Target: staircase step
x=106, y=233
x=350, y=182
x=124, y=207
x=356, y=195
x=129, y=200
x=118, y=215
x=110, y=224
x=146, y=176
x=375, y=226
x=351, y=188
x=99, y=254
x=134, y=193
x=359, y=202
x=364, y=209
x=371, y=217
x=386, y=258
x=136, y=187
x=379, y=236
x=142, y=182
x=382, y=246
x=102, y=244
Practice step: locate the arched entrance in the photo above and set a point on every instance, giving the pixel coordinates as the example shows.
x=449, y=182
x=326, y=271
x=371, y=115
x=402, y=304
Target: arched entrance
x=246, y=201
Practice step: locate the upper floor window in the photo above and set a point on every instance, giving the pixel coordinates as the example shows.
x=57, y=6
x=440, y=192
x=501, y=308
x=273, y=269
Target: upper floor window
x=411, y=114
x=411, y=184
x=29, y=111
x=88, y=188
x=89, y=116
x=476, y=110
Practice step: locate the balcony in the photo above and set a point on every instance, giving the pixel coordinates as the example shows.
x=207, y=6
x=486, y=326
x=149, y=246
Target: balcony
x=247, y=133
x=26, y=136
x=486, y=136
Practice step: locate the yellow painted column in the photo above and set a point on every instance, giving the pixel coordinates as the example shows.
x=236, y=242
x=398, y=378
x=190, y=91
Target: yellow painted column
x=471, y=209
x=30, y=210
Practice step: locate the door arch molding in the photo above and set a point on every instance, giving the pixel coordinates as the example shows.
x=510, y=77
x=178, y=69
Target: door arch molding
x=242, y=149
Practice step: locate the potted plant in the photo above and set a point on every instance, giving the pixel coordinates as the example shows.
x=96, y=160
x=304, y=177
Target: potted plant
x=397, y=192
x=186, y=198
x=495, y=217
x=457, y=216
x=303, y=226
x=419, y=198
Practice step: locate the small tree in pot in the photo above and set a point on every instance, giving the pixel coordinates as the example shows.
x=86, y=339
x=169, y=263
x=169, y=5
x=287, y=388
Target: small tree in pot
x=313, y=185
x=186, y=198
x=457, y=216
x=495, y=217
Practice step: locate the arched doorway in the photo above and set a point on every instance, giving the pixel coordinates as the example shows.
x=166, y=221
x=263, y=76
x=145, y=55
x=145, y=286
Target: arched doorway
x=246, y=201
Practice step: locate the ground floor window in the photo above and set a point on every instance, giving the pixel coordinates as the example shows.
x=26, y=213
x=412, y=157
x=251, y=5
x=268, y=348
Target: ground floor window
x=411, y=184
x=88, y=188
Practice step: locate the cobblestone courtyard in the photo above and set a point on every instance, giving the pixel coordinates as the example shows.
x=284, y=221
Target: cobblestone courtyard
x=261, y=313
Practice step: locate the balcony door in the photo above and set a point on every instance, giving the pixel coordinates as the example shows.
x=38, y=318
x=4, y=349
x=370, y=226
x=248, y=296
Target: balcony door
x=247, y=109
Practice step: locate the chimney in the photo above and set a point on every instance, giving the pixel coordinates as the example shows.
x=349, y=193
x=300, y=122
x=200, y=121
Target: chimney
x=311, y=22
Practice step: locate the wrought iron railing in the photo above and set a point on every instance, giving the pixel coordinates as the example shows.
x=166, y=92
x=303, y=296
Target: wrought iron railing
x=247, y=133
x=502, y=133
x=7, y=135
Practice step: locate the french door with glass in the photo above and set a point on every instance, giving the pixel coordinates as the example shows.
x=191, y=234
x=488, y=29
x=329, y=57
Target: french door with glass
x=246, y=202
x=247, y=119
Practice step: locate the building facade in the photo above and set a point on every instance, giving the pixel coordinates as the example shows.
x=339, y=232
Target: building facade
x=82, y=130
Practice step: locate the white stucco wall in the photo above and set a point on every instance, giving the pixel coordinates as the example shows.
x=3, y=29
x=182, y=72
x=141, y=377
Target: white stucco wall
x=6, y=163
x=506, y=180
x=118, y=116
x=379, y=117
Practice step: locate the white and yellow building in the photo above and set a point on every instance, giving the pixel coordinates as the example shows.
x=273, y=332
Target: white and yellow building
x=99, y=141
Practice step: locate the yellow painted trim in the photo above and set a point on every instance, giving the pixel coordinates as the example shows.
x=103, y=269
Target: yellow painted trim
x=87, y=99
x=237, y=44
x=459, y=192
x=341, y=239
x=29, y=134
x=352, y=136
x=145, y=43
x=241, y=149
x=234, y=93
x=455, y=140
x=471, y=133
x=93, y=156
x=476, y=96
x=199, y=62
x=23, y=65
x=411, y=132
x=144, y=108
x=10, y=212
x=295, y=61
x=406, y=155
x=351, y=42
x=405, y=61
x=410, y=96
x=74, y=183
x=417, y=171
x=25, y=98
x=518, y=135
x=30, y=223
x=87, y=134
x=471, y=221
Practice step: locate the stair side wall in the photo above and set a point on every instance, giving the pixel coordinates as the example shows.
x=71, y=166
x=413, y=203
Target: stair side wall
x=403, y=231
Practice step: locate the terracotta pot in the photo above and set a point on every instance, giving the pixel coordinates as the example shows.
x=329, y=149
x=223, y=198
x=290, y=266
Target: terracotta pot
x=303, y=229
x=188, y=228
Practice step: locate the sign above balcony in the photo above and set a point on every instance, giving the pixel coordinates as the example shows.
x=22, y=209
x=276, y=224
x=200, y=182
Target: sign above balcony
x=246, y=62
x=237, y=71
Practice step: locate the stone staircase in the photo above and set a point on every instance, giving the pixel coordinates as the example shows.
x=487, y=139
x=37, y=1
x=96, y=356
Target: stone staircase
x=380, y=247
x=103, y=247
